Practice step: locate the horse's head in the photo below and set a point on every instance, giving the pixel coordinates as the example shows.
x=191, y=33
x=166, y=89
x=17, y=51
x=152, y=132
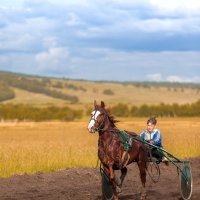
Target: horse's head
x=99, y=117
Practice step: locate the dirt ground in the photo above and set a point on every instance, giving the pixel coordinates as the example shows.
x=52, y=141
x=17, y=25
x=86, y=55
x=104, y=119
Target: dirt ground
x=85, y=183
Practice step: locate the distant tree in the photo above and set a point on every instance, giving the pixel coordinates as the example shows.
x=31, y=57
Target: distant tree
x=108, y=92
x=29, y=113
x=143, y=111
x=71, y=86
x=120, y=110
x=46, y=81
x=134, y=111
x=58, y=84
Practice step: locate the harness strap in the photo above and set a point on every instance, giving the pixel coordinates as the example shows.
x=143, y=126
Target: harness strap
x=125, y=140
x=125, y=158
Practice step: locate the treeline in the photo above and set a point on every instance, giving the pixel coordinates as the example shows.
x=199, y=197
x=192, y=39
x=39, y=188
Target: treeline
x=21, y=112
x=149, y=84
x=163, y=110
x=69, y=86
x=6, y=93
x=34, y=85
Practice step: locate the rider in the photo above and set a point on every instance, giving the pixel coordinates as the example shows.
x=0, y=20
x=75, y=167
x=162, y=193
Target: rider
x=153, y=136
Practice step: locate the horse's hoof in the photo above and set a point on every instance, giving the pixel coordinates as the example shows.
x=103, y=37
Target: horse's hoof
x=143, y=197
x=118, y=189
x=118, y=181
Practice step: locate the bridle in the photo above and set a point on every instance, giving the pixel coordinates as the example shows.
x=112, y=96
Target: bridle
x=99, y=129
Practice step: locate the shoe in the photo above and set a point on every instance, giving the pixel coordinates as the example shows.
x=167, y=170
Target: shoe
x=165, y=161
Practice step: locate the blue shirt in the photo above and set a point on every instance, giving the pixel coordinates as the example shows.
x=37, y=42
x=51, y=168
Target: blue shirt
x=155, y=136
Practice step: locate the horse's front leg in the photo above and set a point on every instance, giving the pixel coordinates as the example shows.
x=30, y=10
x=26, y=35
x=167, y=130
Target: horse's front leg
x=119, y=180
x=112, y=181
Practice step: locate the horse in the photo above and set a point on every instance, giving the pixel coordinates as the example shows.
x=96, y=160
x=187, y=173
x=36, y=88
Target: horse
x=111, y=149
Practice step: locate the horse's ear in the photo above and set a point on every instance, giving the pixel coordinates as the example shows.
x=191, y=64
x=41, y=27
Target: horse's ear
x=102, y=104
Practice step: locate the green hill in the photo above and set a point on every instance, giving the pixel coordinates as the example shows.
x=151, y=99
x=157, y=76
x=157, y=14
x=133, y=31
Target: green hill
x=44, y=91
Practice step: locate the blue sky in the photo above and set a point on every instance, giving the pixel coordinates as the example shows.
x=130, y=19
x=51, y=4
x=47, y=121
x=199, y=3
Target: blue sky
x=124, y=40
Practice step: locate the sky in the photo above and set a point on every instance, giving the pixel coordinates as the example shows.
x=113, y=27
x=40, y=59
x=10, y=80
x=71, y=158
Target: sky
x=115, y=40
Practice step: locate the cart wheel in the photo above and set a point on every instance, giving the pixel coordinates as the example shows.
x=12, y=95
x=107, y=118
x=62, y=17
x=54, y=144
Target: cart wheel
x=107, y=192
x=186, y=182
x=153, y=170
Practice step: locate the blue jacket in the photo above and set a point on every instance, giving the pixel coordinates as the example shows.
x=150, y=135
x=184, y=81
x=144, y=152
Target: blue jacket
x=154, y=136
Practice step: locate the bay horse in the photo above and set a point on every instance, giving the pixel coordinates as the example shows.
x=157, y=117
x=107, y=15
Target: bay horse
x=111, y=148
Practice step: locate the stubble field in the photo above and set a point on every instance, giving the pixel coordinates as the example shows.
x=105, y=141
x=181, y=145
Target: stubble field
x=49, y=146
x=29, y=152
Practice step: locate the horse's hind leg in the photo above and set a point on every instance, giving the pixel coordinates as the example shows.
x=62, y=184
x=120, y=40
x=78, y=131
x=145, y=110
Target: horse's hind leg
x=123, y=175
x=142, y=168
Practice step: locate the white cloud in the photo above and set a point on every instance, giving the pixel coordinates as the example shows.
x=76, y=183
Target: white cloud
x=73, y=19
x=50, y=41
x=12, y=3
x=130, y=40
x=54, y=59
x=187, y=7
x=174, y=78
x=155, y=77
x=168, y=26
x=108, y=64
x=69, y=2
x=25, y=35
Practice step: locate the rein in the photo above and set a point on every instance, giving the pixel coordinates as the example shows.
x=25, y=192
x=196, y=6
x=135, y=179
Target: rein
x=99, y=129
x=102, y=127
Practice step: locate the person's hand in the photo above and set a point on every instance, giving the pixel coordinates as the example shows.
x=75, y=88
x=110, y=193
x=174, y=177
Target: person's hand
x=151, y=142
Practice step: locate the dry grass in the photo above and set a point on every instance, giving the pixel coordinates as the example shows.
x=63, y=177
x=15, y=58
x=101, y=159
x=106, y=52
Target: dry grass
x=32, y=147
x=124, y=93
x=23, y=96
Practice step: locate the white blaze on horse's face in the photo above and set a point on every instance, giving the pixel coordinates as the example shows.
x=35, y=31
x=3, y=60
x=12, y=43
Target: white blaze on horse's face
x=94, y=116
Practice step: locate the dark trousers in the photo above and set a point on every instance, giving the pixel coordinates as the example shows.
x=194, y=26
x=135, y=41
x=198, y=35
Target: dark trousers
x=155, y=153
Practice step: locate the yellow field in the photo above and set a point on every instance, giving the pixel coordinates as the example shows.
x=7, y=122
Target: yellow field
x=32, y=147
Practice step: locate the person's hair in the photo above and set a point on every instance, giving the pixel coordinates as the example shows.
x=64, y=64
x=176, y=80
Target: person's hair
x=152, y=120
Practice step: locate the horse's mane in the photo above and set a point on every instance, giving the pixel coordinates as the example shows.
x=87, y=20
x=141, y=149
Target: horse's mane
x=111, y=117
x=108, y=112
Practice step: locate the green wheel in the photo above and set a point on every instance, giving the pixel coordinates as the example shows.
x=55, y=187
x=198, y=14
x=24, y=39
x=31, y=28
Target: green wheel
x=107, y=191
x=186, y=181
